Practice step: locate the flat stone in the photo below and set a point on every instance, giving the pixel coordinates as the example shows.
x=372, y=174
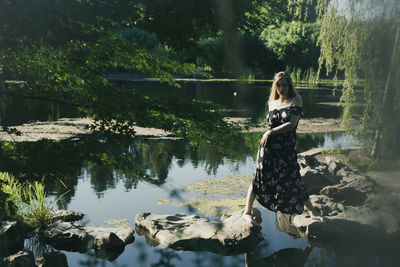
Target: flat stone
x=23, y=258
x=231, y=235
x=67, y=215
x=67, y=236
x=312, y=152
x=108, y=242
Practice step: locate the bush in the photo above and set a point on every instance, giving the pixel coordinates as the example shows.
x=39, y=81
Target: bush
x=8, y=208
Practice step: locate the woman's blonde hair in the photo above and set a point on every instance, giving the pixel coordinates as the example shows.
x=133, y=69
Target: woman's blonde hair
x=281, y=75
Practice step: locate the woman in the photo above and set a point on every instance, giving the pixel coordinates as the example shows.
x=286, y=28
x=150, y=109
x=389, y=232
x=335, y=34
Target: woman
x=277, y=183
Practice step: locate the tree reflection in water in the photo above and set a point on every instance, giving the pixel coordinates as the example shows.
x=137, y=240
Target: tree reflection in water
x=110, y=160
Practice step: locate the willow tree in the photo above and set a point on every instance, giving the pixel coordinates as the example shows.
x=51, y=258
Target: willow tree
x=359, y=40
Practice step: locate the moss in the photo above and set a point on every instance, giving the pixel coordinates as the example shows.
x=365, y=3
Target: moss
x=215, y=196
x=162, y=201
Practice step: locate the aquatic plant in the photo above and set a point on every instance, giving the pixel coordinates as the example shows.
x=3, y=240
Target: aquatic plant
x=8, y=208
x=28, y=200
x=299, y=75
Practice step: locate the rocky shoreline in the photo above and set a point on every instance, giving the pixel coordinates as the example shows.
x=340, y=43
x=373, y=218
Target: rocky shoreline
x=362, y=214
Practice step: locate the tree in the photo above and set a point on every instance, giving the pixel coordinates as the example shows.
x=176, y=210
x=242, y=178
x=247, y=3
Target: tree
x=358, y=39
x=293, y=44
x=56, y=50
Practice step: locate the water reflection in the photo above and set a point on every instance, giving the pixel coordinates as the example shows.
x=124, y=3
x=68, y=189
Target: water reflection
x=107, y=162
x=111, y=166
x=249, y=101
x=287, y=257
x=16, y=110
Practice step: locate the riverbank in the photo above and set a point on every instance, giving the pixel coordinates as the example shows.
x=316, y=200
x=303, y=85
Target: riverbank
x=71, y=127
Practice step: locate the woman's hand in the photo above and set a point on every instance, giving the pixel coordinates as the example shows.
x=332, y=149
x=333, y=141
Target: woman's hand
x=265, y=137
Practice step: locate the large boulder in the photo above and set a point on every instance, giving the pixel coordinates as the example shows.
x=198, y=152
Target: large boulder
x=362, y=213
x=315, y=178
x=12, y=236
x=318, y=172
x=108, y=242
x=23, y=258
x=230, y=235
x=67, y=236
x=354, y=193
x=52, y=259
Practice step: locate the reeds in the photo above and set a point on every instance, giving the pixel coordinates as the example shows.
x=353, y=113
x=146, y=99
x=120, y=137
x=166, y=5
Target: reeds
x=309, y=76
x=30, y=199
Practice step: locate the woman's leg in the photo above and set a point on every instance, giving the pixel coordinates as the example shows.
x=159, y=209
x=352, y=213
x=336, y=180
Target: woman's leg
x=249, y=200
x=247, y=213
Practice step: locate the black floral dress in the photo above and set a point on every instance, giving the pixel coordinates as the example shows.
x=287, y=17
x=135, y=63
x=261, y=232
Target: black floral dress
x=277, y=182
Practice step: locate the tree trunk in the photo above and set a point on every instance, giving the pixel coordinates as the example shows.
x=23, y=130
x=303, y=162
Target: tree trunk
x=378, y=133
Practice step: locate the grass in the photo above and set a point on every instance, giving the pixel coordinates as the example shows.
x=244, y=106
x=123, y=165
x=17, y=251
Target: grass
x=30, y=199
x=309, y=76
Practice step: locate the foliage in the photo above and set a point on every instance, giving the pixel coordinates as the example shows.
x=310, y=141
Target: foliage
x=357, y=39
x=305, y=76
x=28, y=201
x=142, y=37
x=294, y=43
x=8, y=208
x=61, y=61
x=189, y=21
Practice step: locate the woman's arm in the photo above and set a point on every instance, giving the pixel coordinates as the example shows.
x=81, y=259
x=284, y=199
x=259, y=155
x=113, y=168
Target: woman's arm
x=287, y=126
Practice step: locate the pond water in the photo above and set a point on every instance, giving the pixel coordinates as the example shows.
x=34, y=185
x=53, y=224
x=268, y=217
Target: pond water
x=103, y=184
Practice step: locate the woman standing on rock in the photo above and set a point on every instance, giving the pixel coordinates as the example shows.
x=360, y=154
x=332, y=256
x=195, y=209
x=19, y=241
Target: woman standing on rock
x=277, y=184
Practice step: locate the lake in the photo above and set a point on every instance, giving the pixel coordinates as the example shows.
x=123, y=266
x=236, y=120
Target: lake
x=103, y=184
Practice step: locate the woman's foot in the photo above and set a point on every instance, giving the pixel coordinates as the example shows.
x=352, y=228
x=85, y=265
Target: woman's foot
x=250, y=219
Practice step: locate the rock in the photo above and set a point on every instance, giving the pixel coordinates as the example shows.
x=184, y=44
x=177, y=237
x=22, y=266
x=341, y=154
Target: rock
x=67, y=216
x=23, y=258
x=51, y=259
x=229, y=236
x=312, y=152
x=12, y=236
x=325, y=206
x=67, y=236
x=315, y=179
x=108, y=242
x=347, y=176
x=354, y=193
x=333, y=165
x=110, y=237
x=363, y=214
x=345, y=235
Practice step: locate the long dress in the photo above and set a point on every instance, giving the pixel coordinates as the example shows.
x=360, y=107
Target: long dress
x=277, y=183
